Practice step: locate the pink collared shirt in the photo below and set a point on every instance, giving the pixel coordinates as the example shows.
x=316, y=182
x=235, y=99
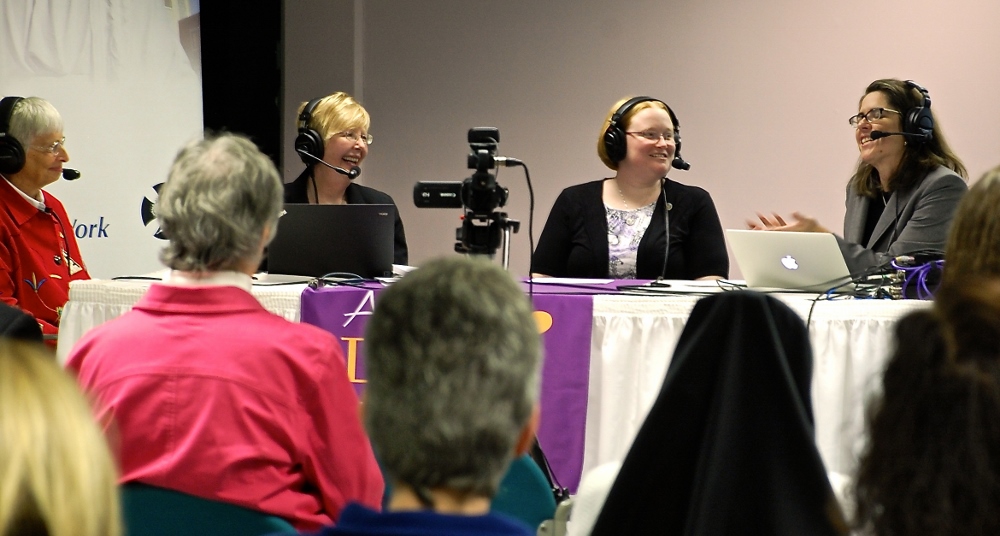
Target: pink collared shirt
x=207, y=393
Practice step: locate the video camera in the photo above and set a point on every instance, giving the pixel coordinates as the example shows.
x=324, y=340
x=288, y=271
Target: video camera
x=480, y=195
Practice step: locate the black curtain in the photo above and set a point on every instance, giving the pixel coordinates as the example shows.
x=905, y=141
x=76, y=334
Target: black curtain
x=241, y=62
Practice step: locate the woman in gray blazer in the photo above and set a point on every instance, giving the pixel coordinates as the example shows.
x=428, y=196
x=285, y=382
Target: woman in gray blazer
x=907, y=184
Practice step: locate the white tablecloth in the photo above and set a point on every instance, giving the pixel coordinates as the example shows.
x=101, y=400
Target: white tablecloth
x=634, y=338
x=632, y=342
x=92, y=303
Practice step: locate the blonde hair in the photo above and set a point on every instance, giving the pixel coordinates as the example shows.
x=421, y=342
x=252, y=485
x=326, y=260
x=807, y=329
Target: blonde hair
x=623, y=123
x=337, y=113
x=57, y=476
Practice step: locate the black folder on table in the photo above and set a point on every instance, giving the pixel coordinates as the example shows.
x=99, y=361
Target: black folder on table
x=317, y=240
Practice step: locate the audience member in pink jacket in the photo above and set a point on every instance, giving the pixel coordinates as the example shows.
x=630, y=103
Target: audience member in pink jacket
x=203, y=390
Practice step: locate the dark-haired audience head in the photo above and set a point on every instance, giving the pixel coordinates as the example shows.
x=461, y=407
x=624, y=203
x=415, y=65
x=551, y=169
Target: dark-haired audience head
x=974, y=244
x=728, y=446
x=453, y=357
x=932, y=462
x=57, y=476
x=19, y=325
x=220, y=206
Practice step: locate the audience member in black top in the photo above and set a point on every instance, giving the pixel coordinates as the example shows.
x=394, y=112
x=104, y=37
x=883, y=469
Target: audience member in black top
x=728, y=446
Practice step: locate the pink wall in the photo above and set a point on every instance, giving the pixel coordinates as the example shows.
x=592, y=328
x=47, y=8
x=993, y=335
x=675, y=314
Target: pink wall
x=763, y=92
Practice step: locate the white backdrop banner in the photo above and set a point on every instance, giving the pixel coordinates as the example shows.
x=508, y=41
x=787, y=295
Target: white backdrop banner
x=125, y=75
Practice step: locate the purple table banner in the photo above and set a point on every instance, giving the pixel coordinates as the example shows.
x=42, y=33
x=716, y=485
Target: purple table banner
x=565, y=318
x=566, y=322
x=344, y=312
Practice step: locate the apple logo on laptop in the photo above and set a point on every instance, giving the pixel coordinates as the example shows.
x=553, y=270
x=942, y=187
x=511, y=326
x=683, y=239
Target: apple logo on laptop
x=789, y=262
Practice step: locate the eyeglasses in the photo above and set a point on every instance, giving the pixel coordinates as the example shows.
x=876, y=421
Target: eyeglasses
x=51, y=149
x=650, y=135
x=870, y=115
x=367, y=139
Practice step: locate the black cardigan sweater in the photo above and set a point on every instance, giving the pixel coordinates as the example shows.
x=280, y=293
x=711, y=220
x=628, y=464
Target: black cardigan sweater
x=574, y=242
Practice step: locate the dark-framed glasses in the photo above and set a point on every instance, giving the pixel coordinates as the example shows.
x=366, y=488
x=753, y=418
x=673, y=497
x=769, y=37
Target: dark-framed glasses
x=51, y=149
x=356, y=137
x=870, y=115
x=652, y=135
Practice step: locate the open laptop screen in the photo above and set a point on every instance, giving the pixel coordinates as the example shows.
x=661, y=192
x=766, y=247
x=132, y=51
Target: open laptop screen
x=316, y=240
x=788, y=260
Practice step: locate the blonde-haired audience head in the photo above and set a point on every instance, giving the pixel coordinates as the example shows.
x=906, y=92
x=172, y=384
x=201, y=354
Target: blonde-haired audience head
x=57, y=477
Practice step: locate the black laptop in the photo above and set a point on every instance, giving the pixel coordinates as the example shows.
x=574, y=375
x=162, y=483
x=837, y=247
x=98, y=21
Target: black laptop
x=317, y=240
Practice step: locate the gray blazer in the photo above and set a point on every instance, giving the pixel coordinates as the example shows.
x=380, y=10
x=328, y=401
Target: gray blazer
x=914, y=220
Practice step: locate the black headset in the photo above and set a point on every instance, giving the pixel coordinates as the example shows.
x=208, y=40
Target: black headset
x=11, y=150
x=918, y=120
x=308, y=140
x=614, y=136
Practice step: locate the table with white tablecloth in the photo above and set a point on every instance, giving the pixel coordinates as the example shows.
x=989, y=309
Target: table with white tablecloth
x=632, y=340
x=634, y=337
x=94, y=302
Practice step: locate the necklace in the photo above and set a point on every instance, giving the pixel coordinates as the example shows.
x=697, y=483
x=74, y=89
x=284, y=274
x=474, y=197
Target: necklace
x=624, y=202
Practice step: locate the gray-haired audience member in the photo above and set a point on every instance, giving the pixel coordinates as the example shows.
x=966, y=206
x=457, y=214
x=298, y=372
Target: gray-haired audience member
x=453, y=357
x=210, y=394
x=214, y=223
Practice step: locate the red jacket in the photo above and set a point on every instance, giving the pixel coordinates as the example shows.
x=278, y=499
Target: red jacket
x=38, y=256
x=210, y=394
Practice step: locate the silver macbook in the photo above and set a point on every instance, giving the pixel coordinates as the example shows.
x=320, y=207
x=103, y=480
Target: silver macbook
x=790, y=261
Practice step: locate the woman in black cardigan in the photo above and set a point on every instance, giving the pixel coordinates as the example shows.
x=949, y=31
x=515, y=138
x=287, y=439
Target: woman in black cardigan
x=617, y=227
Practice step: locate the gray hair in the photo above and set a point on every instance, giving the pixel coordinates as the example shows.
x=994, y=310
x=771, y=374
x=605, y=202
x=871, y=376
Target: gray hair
x=221, y=194
x=453, y=357
x=33, y=117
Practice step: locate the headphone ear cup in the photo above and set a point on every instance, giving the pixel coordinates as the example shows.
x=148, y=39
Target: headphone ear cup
x=309, y=141
x=918, y=120
x=11, y=155
x=11, y=152
x=614, y=143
